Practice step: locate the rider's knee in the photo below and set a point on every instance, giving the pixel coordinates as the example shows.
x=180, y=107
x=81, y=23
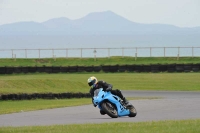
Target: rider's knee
x=119, y=91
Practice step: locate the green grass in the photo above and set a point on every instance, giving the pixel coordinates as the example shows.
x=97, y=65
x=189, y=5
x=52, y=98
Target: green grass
x=31, y=83
x=29, y=105
x=182, y=126
x=58, y=83
x=40, y=104
x=99, y=61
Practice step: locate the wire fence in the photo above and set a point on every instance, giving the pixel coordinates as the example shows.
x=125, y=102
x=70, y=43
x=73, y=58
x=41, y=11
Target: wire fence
x=101, y=52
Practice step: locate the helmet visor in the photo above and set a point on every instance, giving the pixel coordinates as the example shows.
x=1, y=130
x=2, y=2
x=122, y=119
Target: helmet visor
x=92, y=82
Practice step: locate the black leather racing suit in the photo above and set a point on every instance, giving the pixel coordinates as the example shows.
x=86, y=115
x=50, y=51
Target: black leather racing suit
x=106, y=87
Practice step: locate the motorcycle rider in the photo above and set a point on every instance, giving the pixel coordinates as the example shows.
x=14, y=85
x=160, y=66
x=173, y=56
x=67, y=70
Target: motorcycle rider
x=95, y=84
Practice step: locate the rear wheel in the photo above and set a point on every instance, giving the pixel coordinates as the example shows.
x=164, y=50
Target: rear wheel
x=109, y=109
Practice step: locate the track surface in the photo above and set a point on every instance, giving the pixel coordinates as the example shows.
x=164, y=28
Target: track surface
x=172, y=106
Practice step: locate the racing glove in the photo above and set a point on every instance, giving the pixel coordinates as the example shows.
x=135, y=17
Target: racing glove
x=109, y=89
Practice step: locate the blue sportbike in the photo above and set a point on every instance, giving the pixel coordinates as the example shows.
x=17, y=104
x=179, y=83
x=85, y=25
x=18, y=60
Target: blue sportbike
x=112, y=105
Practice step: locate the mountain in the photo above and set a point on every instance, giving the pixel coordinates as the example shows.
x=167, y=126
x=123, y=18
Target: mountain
x=97, y=23
x=21, y=28
x=56, y=22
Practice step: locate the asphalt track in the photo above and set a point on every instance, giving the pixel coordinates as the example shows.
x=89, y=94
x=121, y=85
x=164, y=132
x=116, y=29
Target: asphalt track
x=172, y=106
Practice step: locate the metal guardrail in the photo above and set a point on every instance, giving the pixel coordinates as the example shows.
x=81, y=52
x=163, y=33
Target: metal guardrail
x=101, y=52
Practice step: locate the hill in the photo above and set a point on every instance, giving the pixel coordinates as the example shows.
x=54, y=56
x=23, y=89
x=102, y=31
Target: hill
x=98, y=23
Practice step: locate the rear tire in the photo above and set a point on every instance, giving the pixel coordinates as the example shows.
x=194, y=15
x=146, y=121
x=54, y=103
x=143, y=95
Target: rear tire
x=109, y=109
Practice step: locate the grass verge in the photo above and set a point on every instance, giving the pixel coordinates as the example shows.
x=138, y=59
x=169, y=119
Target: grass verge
x=182, y=126
x=99, y=61
x=77, y=82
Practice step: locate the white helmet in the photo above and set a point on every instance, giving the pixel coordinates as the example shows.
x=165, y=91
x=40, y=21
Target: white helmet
x=92, y=81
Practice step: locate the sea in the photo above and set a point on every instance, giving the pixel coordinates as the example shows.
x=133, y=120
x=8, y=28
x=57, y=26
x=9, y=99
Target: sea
x=99, y=46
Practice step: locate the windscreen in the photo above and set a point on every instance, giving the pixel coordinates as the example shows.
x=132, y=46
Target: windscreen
x=96, y=92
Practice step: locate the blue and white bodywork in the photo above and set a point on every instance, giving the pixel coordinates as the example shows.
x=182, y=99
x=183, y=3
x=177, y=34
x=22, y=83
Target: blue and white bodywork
x=112, y=105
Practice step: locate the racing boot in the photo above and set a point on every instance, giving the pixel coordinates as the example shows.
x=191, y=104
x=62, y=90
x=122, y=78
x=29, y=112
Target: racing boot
x=125, y=101
x=102, y=112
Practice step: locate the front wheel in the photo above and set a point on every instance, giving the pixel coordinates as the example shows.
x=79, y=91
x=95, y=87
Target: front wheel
x=132, y=110
x=109, y=109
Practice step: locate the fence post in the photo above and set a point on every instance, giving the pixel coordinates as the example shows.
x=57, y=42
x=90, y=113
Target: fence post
x=81, y=52
x=94, y=54
x=177, y=56
x=122, y=52
x=136, y=50
x=39, y=53
x=26, y=53
x=66, y=53
x=164, y=51
x=12, y=54
x=15, y=56
x=108, y=52
x=135, y=53
x=53, y=53
x=178, y=51
x=192, y=52
x=54, y=56
x=150, y=51
x=135, y=56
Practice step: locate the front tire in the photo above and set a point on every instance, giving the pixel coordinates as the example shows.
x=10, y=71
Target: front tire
x=109, y=109
x=133, y=111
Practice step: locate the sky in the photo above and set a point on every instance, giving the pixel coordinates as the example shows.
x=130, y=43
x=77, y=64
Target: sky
x=181, y=13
